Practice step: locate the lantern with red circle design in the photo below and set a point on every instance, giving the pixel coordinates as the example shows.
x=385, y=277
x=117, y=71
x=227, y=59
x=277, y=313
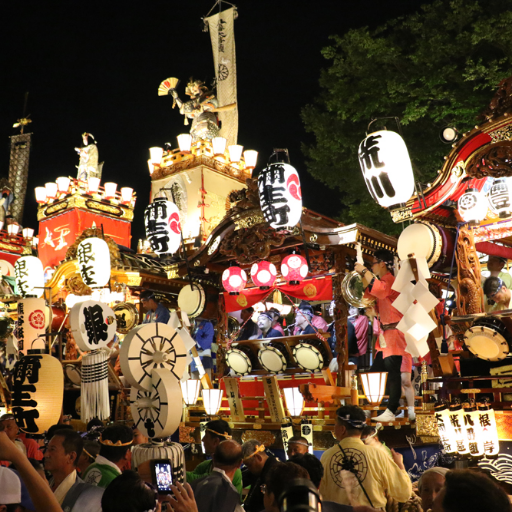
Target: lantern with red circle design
x=234, y=280
x=294, y=268
x=263, y=274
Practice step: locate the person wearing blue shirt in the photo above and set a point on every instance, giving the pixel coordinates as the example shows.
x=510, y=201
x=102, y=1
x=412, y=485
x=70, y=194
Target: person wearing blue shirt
x=204, y=336
x=156, y=312
x=265, y=324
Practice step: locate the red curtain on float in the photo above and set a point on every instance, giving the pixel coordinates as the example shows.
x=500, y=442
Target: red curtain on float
x=315, y=289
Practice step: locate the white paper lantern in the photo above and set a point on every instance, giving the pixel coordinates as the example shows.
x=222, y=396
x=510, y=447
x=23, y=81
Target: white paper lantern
x=219, y=145
x=37, y=392
x=163, y=228
x=386, y=167
x=31, y=325
x=93, y=325
x=446, y=434
x=29, y=274
x=63, y=184
x=94, y=262
x=51, y=190
x=374, y=385
x=280, y=195
x=110, y=190
x=488, y=431
x=474, y=437
x=500, y=198
x=190, y=389
x=294, y=401
x=212, y=399
x=472, y=206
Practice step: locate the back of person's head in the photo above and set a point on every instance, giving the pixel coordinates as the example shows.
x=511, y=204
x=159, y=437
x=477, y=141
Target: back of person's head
x=298, y=439
x=71, y=442
x=91, y=449
x=352, y=418
x=251, y=447
x=312, y=465
x=368, y=431
x=147, y=295
x=115, y=441
x=219, y=429
x=280, y=474
x=385, y=256
x=10, y=486
x=468, y=491
x=228, y=455
x=128, y=493
x=492, y=285
x=54, y=428
x=95, y=422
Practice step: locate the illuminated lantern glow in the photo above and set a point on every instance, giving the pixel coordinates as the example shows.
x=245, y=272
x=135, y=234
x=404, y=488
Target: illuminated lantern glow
x=234, y=280
x=93, y=185
x=29, y=275
x=457, y=423
x=446, y=434
x=386, y=167
x=40, y=195
x=250, y=158
x=263, y=274
x=475, y=440
x=28, y=232
x=110, y=190
x=94, y=262
x=163, y=226
x=499, y=197
x=374, y=385
x=185, y=142
x=280, y=195
x=190, y=389
x=488, y=431
x=212, y=399
x=13, y=229
x=63, y=184
x=219, y=146
x=235, y=153
x=126, y=195
x=37, y=392
x=294, y=401
x=294, y=268
x=472, y=206
x=156, y=155
x=51, y=190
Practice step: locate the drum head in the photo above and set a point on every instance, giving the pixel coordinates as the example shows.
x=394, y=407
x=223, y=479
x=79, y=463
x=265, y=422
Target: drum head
x=308, y=357
x=238, y=361
x=192, y=301
x=272, y=359
x=73, y=374
x=486, y=343
x=418, y=239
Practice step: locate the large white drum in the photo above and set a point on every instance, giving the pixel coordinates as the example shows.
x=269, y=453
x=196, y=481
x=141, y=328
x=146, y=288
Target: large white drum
x=192, y=300
x=488, y=339
x=240, y=359
x=272, y=359
x=310, y=356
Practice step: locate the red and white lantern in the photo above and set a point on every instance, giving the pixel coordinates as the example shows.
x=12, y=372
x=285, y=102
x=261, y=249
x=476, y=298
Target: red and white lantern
x=294, y=268
x=263, y=274
x=234, y=280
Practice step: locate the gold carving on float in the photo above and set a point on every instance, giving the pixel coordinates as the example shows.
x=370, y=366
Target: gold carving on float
x=501, y=134
x=172, y=271
x=187, y=434
x=106, y=208
x=401, y=214
x=262, y=436
x=459, y=169
x=27, y=249
x=74, y=284
x=241, y=300
x=313, y=237
x=54, y=208
x=10, y=247
x=248, y=221
x=426, y=425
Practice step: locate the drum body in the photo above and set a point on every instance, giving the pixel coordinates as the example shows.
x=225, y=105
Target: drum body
x=199, y=300
x=57, y=318
x=274, y=357
x=311, y=355
x=489, y=339
x=430, y=241
x=73, y=374
x=240, y=359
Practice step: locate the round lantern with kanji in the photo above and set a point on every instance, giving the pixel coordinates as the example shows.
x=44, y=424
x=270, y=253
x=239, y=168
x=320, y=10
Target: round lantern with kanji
x=263, y=274
x=472, y=206
x=234, y=280
x=163, y=227
x=294, y=268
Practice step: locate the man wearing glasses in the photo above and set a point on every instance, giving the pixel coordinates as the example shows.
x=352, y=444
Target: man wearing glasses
x=497, y=291
x=156, y=312
x=395, y=360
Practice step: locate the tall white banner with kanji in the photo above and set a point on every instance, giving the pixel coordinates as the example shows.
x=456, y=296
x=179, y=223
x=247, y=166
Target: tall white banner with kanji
x=222, y=35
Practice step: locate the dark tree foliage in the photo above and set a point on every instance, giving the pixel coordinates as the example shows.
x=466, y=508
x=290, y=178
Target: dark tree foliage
x=437, y=67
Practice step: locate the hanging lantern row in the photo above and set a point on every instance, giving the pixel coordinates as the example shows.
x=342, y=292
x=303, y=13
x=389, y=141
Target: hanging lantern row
x=163, y=226
x=473, y=204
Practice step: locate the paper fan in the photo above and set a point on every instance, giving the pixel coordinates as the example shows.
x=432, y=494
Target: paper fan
x=168, y=83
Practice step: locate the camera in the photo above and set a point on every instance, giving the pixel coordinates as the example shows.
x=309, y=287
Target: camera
x=161, y=472
x=300, y=495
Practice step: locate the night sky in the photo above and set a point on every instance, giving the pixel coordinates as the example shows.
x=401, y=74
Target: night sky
x=96, y=67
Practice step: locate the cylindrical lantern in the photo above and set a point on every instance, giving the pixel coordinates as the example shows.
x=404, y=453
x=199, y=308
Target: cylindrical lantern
x=94, y=262
x=1, y=225
x=294, y=401
x=63, y=184
x=212, y=399
x=35, y=241
x=499, y=197
x=40, y=195
x=37, y=392
x=294, y=268
x=374, y=385
x=263, y=274
x=219, y=145
x=156, y=155
x=30, y=326
x=386, y=167
x=456, y=415
x=110, y=190
x=446, y=434
x=163, y=227
x=93, y=185
x=126, y=195
x=234, y=280
x=28, y=232
x=190, y=389
x=474, y=437
x=184, y=142
x=488, y=431
x=280, y=195
x=235, y=153
x=250, y=157
x=51, y=190
x=13, y=229
x=472, y=206
x=150, y=167
x=29, y=274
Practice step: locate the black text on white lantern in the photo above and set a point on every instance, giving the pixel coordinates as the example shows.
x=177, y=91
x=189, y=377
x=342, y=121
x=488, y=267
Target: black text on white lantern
x=163, y=228
x=386, y=167
x=280, y=195
x=500, y=198
x=94, y=262
x=31, y=325
x=29, y=274
x=472, y=206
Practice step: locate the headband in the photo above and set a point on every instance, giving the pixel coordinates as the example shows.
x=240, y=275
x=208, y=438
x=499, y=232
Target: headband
x=88, y=454
x=260, y=448
x=270, y=316
x=354, y=423
x=302, y=443
x=108, y=442
x=227, y=436
x=377, y=428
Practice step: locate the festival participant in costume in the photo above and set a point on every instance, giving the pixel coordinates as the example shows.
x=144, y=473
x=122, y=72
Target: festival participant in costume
x=495, y=266
x=249, y=329
x=430, y=484
x=361, y=328
x=497, y=291
x=370, y=437
x=216, y=491
x=204, y=335
x=258, y=463
x=275, y=322
x=379, y=476
x=156, y=312
x=138, y=437
x=297, y=445
x=318, y=321
x=303, y=318
x=115, y=456
x=8, y=425
x=395, y=360
x=60, y=459
x=216, y=432
x=89, y=453
x=265, y=324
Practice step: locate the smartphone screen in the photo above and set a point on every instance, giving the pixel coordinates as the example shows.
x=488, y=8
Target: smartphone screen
x=162, y=471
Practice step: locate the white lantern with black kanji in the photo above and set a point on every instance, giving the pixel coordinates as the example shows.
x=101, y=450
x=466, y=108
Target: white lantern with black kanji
x=163, y=228
x=94, y=262
x=472, y=206
x=37, y=392
x=386, y=167
x=500, y=197
x=488, y=431
x=29, y=274
x=280, y=195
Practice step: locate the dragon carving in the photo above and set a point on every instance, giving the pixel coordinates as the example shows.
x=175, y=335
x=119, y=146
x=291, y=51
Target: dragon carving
x=501, y=103
x=494, y=160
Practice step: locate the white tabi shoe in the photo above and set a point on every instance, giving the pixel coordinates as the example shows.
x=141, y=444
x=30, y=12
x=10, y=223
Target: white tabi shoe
x=411, y=413
x=386, y=416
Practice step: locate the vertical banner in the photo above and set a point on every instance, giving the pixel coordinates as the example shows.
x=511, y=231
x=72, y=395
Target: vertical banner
x=286, y=435
x=274, y=402
x=235, y=402
x=222, y=35
x=306, y=431
x=30, y=325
